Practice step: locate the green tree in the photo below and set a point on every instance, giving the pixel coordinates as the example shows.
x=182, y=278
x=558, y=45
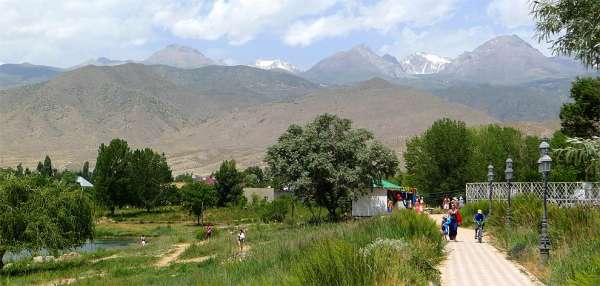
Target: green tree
x=254, y=177
x=583, y=153
x=48, y=170
x=40, y=168
x=149, y=174
x=229, y=183
x=85, y=171
x=494, y=144
x=571, y=26
x=185, y=177
x=111, y=175
x=19, y=171
x=581, y=118
x=327, y=162
x=34, y=216
x=438, y=160
x=561, y=171
x=197, y=197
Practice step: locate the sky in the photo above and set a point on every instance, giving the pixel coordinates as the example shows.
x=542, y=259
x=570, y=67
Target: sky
x=64, y=33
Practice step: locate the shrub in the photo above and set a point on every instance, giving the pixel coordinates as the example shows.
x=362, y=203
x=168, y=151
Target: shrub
x=399, y=250
x=276, y=210
x=201, y=233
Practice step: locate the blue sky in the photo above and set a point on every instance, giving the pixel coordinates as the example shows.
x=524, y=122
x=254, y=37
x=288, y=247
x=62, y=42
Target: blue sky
x=65, y=33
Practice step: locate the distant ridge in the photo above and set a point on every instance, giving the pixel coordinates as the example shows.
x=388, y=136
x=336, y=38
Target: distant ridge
x=354, y=65
x=180, y=57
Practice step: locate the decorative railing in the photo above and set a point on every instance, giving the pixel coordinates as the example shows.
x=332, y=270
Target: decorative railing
x=562, y=194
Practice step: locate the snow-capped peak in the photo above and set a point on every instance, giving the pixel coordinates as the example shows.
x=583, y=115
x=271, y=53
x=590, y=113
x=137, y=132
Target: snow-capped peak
x=275, y=64
x=423, y=63
x=435, y=58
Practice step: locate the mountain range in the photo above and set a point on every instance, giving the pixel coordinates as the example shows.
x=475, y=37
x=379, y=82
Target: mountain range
x=200, y=112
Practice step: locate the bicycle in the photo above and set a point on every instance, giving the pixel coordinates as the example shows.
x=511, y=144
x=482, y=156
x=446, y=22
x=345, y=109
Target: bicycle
x=479, y=232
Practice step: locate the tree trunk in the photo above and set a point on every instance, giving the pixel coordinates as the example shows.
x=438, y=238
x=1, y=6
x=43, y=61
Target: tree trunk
x=112, y=211
x=2, y=251
x=198, y=221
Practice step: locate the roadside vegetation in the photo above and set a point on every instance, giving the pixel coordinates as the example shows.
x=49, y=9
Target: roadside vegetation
x=574, y=234
x=400, y=249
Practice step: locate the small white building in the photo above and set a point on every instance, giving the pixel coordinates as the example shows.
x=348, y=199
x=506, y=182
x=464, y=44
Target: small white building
x=371, y=204
x=375, y=202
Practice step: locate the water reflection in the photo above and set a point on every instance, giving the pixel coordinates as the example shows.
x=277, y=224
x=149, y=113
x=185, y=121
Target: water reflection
x=89, y=246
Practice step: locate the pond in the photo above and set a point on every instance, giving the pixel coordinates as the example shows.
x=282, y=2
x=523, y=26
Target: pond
x=89, y=246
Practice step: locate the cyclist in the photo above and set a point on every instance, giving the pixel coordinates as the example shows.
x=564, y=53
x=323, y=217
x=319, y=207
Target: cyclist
x=479, y=220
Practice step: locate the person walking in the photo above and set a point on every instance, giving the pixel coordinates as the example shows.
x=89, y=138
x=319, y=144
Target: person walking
x=455, y=221
x=241, y=239
x=445, y=226
x=209, y=231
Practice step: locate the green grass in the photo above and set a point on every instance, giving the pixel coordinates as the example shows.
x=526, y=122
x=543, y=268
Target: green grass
x=574, y=234
x=364, y=252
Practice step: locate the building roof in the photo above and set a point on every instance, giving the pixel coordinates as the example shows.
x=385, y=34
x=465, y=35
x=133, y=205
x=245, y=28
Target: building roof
x=83, y=182
x=387, y=185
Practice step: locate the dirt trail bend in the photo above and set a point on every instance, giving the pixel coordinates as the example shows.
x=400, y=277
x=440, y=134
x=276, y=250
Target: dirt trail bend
x=172, y=255
x=473, y=263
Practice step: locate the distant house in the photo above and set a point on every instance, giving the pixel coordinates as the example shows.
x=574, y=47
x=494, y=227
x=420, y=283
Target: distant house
x=83, y=182
x=267, y=194
x=375, y=202
x=209, y=180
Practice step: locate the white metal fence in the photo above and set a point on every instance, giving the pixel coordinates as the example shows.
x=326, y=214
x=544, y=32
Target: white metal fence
x=563, y=194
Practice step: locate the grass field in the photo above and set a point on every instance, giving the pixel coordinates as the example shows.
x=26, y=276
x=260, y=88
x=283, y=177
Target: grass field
x=574, y=233
x=402, y=249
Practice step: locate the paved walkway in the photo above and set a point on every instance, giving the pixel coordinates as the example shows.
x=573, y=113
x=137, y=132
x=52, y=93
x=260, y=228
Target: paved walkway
x=473, y=263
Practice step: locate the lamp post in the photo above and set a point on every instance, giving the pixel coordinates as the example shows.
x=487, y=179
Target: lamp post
x=545, y=163
x=490, y=176
x=508, y=174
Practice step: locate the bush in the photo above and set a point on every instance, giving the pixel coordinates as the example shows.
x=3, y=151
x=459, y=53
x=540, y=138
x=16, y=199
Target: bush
x=276, y=210
x=201, y=233
x=574, y=234
x=399, y=250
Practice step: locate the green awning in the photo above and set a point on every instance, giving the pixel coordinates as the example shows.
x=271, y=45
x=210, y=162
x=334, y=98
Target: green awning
x=387, y=185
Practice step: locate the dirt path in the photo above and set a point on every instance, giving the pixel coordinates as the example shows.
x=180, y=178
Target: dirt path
x=172, y=255
x=473, y=263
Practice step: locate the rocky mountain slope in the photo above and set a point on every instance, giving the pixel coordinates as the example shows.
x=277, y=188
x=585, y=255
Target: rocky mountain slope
x=507, y=60
x=354, y=65
x=392, y=112
x=82, y=108
x=179, y=56
x=12, y=75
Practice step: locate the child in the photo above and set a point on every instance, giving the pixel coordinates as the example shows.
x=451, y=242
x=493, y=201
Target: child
x=208, y=231
x=445, y=225
x=241, y=239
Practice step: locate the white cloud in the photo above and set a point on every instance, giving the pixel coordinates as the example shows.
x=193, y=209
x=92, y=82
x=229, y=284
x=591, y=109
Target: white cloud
x=383, y=16
x=63, y=33
x=510, y=13
x=439, y=42
x=237, y=20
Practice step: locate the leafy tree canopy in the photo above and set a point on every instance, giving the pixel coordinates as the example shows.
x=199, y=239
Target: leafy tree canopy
x=111, y=174
x=581, y=118
x=149, y=175
x=229, y=183
x=34, y=216
x=573, y=28
x=438, y=160
x=327, y=162
x=583, y=153
x=197, y=197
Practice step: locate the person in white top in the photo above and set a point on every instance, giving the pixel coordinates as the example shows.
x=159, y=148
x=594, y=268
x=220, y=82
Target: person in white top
x=241, y=239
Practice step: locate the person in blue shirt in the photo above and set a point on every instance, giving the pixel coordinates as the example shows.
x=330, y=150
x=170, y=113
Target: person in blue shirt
x=479, y=220
x=445, y=226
